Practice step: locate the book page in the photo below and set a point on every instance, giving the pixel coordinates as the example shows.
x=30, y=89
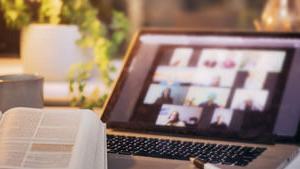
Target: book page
x=35, y=138
x=101, y=158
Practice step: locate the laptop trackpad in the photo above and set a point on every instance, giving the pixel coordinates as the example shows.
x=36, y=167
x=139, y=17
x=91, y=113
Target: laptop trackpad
x=116, y=161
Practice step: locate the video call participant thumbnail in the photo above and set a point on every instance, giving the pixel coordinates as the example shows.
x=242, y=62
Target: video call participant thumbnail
x=178, y=116
x=221, y=119
x=159, y=94
x=165, y=97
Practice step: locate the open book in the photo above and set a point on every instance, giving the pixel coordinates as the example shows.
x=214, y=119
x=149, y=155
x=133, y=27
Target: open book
x=56, y=139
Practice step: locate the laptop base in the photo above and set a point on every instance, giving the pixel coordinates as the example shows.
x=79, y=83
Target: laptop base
x=275, y=157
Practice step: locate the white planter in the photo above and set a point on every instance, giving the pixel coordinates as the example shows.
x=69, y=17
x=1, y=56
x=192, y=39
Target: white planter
x=50, y=50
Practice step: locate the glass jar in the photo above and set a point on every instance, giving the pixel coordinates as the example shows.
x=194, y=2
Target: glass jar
x=280, y=15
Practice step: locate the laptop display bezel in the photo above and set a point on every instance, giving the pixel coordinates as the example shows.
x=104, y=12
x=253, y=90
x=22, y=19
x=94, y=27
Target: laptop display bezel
x=177, y=131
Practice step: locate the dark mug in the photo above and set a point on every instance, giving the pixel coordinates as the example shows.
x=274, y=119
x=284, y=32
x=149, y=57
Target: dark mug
x=21, y=90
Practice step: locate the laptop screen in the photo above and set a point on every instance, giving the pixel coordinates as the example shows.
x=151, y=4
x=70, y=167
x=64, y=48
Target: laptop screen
x=215, y=85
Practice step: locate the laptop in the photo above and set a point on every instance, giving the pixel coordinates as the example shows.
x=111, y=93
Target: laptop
x=226, y=98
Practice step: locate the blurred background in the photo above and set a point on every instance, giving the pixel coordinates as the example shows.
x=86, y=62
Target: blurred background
x=202, y=14
x=63, y=62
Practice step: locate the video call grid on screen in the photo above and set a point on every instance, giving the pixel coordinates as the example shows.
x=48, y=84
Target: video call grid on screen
x=211, y=87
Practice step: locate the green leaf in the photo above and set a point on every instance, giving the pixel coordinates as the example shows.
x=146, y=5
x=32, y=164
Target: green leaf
x=50, y=11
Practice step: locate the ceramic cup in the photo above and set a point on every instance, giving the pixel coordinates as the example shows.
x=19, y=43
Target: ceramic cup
x=21, y=90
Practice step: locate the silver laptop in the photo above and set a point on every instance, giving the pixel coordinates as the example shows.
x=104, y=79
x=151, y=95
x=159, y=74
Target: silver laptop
x=227, y=98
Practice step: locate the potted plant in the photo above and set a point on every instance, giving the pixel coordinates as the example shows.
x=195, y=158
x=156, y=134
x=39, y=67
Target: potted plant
x=62, y=37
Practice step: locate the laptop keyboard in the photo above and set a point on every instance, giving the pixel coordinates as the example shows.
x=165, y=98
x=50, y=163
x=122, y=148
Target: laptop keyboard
x=170, y=149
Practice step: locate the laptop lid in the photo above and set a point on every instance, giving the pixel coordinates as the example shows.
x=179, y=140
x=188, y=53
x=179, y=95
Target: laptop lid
x=222, y=85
